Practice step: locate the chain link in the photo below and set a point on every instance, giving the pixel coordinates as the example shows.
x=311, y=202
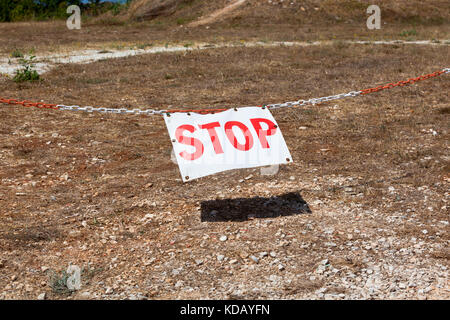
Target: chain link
x=110, y=110
x=149, y=112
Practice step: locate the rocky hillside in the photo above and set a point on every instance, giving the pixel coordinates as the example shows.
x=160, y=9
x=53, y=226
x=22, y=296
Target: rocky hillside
x=433, y=12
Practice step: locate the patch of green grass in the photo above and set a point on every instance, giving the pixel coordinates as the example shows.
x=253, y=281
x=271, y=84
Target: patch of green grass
x=144, y=45
x=408, y=33
x=96, y=81
x=17, y=54
x=27, y=71
x=58, y=283
x=183, y=21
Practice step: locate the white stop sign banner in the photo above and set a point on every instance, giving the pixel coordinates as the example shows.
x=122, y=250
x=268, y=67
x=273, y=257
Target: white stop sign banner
x=205, y=144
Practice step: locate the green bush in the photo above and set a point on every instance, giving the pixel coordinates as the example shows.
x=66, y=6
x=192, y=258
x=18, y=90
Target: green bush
x=27, y=72
x=22, y=10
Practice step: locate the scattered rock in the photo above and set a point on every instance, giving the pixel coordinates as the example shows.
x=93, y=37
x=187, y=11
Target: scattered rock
x=42, y=296
x=198, y=262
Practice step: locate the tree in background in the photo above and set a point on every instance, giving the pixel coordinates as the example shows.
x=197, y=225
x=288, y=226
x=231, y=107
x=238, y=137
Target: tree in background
x=20, y=10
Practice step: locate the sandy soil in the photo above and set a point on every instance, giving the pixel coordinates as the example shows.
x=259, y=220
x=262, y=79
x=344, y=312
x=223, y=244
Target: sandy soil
x=218, y=14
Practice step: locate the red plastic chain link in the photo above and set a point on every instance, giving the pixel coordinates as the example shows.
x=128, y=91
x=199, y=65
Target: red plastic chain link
x=26, y=103
x=402, y=83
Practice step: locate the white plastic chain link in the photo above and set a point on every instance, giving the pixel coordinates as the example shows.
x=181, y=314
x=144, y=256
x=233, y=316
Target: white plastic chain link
x=149, y=112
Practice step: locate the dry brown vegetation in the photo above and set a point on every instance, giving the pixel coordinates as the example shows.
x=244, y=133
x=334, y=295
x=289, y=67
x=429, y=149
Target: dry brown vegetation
x=258, y=20
x=370, y=175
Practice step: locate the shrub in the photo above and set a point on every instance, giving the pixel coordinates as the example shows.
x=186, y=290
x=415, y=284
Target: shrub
x=27, y=72
x=17, y=54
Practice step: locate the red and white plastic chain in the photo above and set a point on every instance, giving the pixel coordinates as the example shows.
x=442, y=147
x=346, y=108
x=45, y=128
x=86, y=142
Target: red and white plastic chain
x=311, y=101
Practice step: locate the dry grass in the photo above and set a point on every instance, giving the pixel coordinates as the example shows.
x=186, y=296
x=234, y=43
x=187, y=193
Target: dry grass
x=258, y=20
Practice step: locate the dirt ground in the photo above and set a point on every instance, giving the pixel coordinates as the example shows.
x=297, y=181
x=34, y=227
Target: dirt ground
x=361, y=213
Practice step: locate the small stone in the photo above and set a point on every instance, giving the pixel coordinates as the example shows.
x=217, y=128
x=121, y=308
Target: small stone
x=324, y=262
x=233, y=261
x=280, y=267
x=41, y=296
x=14, y=278
x=321, y=290
x=243, y=254
x=273, y=254
x=220, y=257
x=255, y=259
x=198, y=262
x=223, y=238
